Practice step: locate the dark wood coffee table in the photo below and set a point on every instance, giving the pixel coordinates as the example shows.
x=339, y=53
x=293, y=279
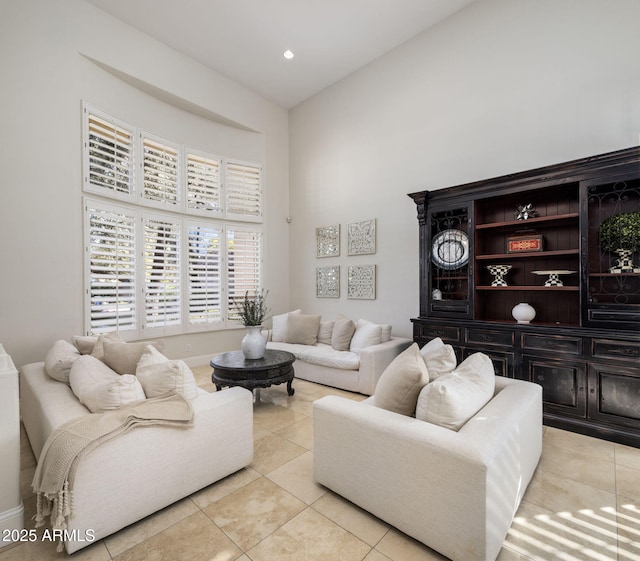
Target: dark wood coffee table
x=233, y=369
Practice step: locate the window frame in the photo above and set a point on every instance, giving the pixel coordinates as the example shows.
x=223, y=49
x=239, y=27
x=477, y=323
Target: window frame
x=134, y=204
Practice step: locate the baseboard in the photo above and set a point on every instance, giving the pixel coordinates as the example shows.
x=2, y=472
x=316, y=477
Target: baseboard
x=11, y=524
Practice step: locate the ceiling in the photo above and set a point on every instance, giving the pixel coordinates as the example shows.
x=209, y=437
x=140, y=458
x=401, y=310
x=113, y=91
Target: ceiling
x=245, y=39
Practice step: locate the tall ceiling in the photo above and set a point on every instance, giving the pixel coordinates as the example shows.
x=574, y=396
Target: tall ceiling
x=245, y=39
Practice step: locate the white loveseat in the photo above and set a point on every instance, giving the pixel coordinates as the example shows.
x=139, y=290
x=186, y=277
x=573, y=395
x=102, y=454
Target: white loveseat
x=355, y=363
x=455, y=491
x=145, y=469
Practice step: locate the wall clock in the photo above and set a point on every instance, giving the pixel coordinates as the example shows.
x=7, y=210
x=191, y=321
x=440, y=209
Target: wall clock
x=450, y=249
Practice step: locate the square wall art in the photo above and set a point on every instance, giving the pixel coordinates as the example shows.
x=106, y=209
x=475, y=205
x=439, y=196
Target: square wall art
x=328, y=241
x=361, y=237
x=361, y=282
x=328, y=282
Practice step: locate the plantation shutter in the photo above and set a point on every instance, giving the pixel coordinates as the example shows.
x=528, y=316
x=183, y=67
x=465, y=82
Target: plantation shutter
x=111, y=253
x=243, y=187
x=160, y=172
x=204, y=275
x=108, y=155
x=244, y=265
x=162, y=275
x=204, y=188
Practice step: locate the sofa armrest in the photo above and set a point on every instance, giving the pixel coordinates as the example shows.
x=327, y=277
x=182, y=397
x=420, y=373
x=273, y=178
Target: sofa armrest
x=374, y=360
x=455, y=491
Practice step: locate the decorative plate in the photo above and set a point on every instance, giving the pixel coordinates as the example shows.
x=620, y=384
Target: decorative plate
x=450, y=249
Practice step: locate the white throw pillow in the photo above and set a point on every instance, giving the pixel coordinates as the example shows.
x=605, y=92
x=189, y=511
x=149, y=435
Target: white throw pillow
x=160, y=375
x=386, y=333
x=279, y=326
x=439, y=358
x=302, y=329
x=85, y=343
x=98, y=349
x=99, y=388
x=343, y=330
x=123, y=357
x=325, y=332
x=59, y=360
x=398, y=387
x=451, y=400
x=367, y=333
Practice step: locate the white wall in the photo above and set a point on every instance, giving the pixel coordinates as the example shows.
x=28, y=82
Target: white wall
x=48, y=55
x=502, y=86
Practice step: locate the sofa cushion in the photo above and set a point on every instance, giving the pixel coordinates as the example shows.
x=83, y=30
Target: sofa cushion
x=279, y=325
x=320, y=354
x=99, y=388
x=451, y=400
x=302, y=329
x=439, y=358
x=366, y=334
x=59, y=360
x=123, y=357
x=159, y=375
x=400, y=384
x=85, y=343
x=98, y=349
x=325, y=331
x=343, y=330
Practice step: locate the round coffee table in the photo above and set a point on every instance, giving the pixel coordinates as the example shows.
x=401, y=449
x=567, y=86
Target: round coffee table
x=233, y=369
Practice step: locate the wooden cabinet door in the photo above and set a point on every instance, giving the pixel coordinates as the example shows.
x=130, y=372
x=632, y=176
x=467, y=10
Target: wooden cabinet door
x=563, y=384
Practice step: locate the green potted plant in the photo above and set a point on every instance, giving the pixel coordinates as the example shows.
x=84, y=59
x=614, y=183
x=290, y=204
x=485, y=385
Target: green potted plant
x=621, y=234
x=252, y=311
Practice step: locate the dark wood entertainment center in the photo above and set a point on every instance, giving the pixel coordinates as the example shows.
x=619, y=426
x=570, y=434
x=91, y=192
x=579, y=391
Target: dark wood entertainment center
x=583, y=346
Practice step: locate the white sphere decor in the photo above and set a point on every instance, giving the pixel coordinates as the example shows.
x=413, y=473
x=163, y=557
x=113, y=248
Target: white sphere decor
x=523, y=312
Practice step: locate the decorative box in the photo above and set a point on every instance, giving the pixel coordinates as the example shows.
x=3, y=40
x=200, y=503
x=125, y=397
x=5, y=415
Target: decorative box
x=524, y=243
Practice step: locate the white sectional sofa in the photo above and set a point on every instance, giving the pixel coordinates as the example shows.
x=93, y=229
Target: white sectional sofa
x=355, y=365
x=456, y=491
x=145, y=469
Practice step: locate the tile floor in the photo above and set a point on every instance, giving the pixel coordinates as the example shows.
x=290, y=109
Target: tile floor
x=582, y=504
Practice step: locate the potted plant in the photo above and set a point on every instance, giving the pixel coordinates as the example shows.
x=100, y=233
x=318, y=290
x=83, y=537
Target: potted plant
x=621, y=234
x=252, y=311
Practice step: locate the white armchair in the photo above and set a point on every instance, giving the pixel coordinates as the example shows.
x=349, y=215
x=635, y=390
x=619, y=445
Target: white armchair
x=456, y=492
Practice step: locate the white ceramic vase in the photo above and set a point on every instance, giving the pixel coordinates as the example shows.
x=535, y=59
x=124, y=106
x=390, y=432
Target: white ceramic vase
x=253, y=343
x=523, y=312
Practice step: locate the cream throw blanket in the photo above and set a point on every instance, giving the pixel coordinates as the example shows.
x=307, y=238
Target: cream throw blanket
x=53, y=480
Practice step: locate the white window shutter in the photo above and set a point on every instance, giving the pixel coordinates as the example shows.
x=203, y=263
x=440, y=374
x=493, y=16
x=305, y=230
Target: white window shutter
x=160, y=172
x=204, y=273
x=162, y=275
x=244, y=265
x=243, y=190
x=204, y=186
x=111, y=258
x=108, y=155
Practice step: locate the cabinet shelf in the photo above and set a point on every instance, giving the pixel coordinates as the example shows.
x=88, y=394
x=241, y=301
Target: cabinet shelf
x=530, y=288
x=596, y=275
x=555, y=253
x=539, y=221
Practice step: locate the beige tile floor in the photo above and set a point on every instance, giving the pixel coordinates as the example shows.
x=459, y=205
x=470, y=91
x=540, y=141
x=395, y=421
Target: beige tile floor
x=582, y=504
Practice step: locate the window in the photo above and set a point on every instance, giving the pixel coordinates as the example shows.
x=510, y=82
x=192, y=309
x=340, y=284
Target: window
x=160, y=171
x=162, y=276
x=111, y=261
x=204, y=187
x=205, y=274
x=172, y=258
x=108, y=155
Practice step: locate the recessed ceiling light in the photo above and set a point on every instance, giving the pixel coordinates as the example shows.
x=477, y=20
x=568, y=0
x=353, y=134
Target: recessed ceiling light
x=288, y=54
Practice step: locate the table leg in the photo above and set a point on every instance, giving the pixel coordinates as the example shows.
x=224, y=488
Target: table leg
x=290, y=390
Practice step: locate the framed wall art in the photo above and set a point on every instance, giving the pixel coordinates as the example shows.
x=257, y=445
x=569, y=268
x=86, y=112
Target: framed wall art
x=361, y=282
x=328, y=282
x=328, y=241
x=361, y=237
